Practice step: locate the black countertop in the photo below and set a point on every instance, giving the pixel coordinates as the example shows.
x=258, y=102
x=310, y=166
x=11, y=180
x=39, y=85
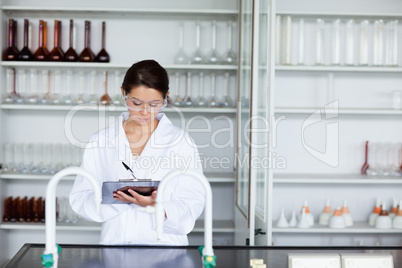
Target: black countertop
x=91, y=256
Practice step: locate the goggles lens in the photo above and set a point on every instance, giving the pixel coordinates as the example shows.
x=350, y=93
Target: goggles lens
x=138, y=105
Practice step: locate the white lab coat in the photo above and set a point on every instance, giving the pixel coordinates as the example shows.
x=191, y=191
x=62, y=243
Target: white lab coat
x=169, y=148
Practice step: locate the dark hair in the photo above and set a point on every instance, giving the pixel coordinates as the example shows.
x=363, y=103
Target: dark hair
x=148, y=73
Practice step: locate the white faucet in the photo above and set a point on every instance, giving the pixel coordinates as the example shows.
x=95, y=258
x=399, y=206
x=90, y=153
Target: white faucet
x=207, y=252
x=51, y=254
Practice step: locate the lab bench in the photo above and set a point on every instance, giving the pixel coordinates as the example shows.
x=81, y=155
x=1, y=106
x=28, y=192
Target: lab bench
x=101, y=256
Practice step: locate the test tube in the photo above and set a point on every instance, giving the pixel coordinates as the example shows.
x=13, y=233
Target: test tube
x=350, y=42
x=378, y=42
x=319, y=59
x=364, y=29
x=287, y=40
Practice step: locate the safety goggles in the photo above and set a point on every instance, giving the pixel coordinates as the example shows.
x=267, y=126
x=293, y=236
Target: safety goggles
x=137, y=105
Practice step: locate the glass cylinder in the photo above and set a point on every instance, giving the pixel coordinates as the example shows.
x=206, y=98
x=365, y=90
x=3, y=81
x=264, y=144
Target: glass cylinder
x=287, y=40
x=56, y=94
x=301, y=43
x=391, y=51
x=33, y=87
x=364, y=51
x=11, y=91
x=336, y=42
x=350, y=43
x=8, y=158
x=320, y=42
x=378, y=48
x=278, y=40
x=68, y=97
x=21, y=87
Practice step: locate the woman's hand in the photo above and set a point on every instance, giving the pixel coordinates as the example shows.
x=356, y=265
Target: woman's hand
x=136, y=198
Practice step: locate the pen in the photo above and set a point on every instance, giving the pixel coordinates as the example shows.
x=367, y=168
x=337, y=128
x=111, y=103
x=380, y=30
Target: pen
x=128, y=168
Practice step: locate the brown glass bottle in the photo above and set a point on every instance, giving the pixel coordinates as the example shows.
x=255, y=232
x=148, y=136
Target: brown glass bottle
x=36, y=210
x=20, y=209
x=14, y=210
x=45, y=37
x=26, y=54
x=41, y=54
x=71, y=55
x=30, y=207
x=24, y=205
x=8, y=206
x=87, y=55
x=11, y=52
x=103, y=56
x=57, y=53
x=43, y=210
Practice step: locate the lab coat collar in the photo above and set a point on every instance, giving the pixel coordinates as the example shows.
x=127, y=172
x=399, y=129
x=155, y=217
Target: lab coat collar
x=122, y=142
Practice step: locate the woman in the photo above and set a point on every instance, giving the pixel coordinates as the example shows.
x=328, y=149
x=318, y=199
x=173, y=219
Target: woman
x=146, y=141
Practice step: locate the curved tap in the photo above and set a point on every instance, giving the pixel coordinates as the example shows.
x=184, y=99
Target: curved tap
x=207, y=251
x=50, y=256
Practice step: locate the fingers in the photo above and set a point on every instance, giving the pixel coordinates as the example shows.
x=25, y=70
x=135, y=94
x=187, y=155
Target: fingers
x=121, y=196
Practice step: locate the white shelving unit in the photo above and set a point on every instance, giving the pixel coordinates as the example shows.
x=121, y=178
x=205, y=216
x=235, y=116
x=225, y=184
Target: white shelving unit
x=212, y=177
x=219, y=226
x=126, y=22
x=91, y=65
x=365, y=113
x=112, y=108
x=335, y=179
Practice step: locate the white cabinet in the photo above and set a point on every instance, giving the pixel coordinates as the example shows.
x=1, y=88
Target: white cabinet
x=324, y=153
x=323, y=115
x=135, y=30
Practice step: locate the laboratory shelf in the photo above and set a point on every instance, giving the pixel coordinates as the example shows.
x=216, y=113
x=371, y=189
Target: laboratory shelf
x=213, y=177
x=111, y=10
x=335, y=179
x=110, y=108
x=92, y=65
x=338, y=68
x=341, y=111
x=219, y=226
x=81, y=225
x=357, y=228
x=339, y=14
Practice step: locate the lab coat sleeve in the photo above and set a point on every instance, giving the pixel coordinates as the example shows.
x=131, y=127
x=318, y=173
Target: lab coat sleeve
x=82, y=199
x=187, y=199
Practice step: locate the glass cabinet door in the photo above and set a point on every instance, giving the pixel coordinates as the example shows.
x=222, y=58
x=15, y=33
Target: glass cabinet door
x=254, y=176
x=242, y=163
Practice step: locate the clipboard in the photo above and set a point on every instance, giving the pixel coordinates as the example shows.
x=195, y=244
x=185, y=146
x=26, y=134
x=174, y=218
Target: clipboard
x=143, y=187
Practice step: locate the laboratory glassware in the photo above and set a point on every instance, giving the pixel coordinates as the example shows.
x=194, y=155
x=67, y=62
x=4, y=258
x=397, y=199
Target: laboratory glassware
x=103, y=56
